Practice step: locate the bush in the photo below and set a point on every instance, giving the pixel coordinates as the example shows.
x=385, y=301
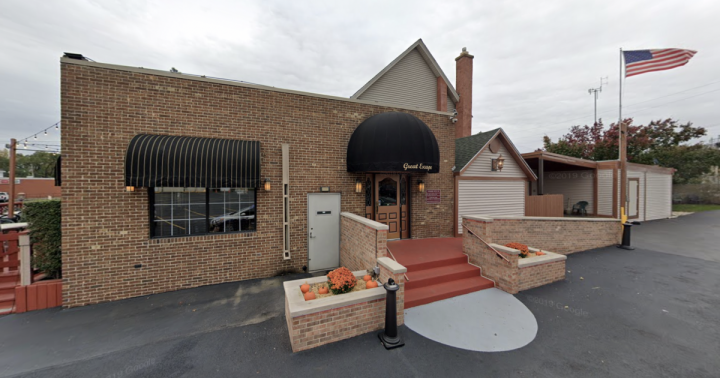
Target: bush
x=341, y=280
x=45, y=235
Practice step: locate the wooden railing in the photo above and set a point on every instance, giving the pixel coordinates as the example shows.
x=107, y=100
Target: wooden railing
x=548, y=205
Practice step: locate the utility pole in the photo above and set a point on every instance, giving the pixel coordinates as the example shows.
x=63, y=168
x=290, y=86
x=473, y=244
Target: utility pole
x=11, y=194
x=595, y=91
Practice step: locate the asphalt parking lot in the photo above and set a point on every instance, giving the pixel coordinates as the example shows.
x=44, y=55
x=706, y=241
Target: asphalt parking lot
x=645, y=313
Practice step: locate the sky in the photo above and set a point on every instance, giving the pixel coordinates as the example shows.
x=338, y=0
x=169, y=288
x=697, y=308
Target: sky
x=534, y=60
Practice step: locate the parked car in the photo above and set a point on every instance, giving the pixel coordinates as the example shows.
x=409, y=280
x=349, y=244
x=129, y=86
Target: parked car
x=4, y=197
x=235, y=221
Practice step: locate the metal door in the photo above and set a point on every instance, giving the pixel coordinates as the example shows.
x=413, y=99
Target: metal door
x=633, y=194
x=323, y=231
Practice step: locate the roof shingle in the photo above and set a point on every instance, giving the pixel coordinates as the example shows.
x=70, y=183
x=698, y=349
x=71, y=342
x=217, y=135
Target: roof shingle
x=466, y=148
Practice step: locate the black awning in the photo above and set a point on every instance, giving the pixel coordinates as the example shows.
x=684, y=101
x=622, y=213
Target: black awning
x=186, y=162
x=58, y=170
x=393, y=142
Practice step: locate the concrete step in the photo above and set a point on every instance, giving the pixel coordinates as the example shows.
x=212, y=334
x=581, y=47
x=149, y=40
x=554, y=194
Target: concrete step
x=433, y=276
x=435, y=261
x=433, y=293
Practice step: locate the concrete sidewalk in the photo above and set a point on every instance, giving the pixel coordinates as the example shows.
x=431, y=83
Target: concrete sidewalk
x=637, y=313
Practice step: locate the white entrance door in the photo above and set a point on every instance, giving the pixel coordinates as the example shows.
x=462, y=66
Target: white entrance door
x=633, y=200
x=323, y=231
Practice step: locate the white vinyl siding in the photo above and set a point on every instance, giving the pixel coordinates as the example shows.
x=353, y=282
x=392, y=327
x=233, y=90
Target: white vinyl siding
x=451, y=105
x=605, y=192
x=481, y=166
x=490, y=197
x=409, y=83
x=575, y=186
x=659, y=196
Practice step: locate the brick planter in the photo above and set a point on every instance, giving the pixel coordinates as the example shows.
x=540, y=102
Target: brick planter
x=326, y=320
x=504, y=265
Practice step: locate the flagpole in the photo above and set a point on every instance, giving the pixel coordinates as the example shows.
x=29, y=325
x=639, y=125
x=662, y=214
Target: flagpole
x=622, y=146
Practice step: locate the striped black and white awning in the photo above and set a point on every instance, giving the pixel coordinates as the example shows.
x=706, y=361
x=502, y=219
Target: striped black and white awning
x=187, y=162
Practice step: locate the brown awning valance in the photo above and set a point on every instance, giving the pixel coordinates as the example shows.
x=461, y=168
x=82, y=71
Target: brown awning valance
x=188, y=162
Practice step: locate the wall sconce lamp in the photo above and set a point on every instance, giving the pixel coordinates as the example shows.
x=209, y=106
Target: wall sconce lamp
x=129, y=188
x=267, y=185
x=497, y=164
x=358, y=186
x=421, y=186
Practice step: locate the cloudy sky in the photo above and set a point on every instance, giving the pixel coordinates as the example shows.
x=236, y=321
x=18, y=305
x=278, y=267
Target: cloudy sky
x=534, y=60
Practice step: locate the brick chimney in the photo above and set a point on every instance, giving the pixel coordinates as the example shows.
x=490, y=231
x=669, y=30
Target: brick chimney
x=463, y=83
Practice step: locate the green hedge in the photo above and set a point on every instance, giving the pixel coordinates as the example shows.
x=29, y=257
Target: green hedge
x=45, y=235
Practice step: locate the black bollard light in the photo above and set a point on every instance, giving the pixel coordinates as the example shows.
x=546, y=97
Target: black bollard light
x=627, y=226
x=390, y=337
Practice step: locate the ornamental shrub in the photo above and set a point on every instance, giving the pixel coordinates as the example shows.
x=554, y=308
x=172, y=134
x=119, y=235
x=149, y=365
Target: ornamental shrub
x=520, y=247
x=341, y=280
x=45, y=235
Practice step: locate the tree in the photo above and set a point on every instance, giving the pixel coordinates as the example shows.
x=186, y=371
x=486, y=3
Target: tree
x=38, y=164
x=661, y=142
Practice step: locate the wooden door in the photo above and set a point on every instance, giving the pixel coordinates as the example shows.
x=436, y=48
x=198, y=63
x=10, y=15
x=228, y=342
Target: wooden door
x=387, y=199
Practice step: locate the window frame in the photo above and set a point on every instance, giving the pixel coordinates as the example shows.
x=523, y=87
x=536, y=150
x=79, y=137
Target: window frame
x=151, y=216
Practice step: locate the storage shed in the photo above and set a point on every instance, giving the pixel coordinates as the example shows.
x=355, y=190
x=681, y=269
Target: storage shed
x=649, y=188
x=481, y=185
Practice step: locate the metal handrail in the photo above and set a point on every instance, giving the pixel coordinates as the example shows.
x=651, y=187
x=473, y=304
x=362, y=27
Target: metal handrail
x=393, y=257
x=489, y=246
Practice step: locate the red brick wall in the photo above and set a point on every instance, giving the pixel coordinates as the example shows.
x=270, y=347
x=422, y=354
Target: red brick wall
x=33, y=188
x=320, y=328
x=312, y=330
x=506, y=273
x=503, y=271
x=559, y=236
x=359, y=245
x=105, y=229
x=539, y=275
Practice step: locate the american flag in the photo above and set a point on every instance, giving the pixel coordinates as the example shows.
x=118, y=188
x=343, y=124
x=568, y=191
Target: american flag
x=642, y=61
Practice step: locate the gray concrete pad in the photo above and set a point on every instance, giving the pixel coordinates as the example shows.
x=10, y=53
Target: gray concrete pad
x=489, y=320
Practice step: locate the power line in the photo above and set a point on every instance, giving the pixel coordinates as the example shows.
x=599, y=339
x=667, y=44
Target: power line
x=44, y=131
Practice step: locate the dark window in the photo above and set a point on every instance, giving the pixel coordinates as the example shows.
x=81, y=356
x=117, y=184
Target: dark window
x=387, y=191
x=368, y=192
x=403, y=191
x=199, y=211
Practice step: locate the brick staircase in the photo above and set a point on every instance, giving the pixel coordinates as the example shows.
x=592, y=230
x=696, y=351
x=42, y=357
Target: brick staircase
x=437, y=270
x=8, y=281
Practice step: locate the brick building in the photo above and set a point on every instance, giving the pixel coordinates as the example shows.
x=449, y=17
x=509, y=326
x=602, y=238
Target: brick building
x=174, y=181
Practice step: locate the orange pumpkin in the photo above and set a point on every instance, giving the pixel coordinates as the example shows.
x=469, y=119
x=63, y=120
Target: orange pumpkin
x=367, y=278
x=539, y=253
x=323, y=290
x=310, y=295
x=371, y=284
x=305, y=287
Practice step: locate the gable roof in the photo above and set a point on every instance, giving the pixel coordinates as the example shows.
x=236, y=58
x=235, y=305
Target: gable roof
x=470, y=147
x=466, y=148
x=429, y=59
